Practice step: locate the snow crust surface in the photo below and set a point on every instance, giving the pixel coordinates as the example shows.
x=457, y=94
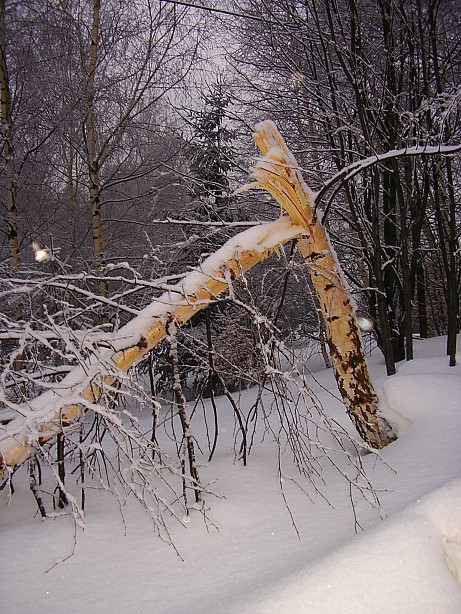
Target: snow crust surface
x=405, y=558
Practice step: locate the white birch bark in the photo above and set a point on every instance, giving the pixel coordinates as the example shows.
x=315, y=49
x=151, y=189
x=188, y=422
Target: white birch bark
x=93, y=162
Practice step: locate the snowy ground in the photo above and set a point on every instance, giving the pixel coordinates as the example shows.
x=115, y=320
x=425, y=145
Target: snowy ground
x=405, y=558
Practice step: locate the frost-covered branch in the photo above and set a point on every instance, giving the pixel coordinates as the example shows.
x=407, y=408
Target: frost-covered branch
x=60, y=407
x=350, y=171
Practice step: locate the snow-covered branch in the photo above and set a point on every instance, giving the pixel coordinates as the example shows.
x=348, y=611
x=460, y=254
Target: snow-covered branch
x=60, y=407
x=350, y=171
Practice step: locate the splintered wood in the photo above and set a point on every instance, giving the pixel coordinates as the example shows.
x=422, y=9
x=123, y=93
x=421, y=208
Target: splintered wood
x=278, y=173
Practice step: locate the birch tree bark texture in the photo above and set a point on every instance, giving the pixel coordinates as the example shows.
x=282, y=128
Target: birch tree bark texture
x=278, y=173
x=94, y=164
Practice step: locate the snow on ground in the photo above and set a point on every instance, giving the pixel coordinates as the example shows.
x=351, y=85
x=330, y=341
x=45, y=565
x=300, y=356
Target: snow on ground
x=405, y=558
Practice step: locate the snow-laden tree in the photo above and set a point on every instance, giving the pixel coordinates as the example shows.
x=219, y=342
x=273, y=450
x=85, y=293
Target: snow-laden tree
x=210, y=153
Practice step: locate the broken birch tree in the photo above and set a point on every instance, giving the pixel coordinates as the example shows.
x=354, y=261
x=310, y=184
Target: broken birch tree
x=278, y=173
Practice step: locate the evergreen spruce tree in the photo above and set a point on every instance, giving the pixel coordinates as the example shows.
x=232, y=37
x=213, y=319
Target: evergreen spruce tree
x=210, y=156
x=210, y=162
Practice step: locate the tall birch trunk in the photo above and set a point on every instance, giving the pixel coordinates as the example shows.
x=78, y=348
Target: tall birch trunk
x=93, y=162
x=278, y=173
x=7, y=134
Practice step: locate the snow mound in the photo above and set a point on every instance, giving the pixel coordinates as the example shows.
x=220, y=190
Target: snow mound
x=410, y=563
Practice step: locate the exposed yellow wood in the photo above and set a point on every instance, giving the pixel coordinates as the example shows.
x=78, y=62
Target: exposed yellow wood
x=278, y=173
x=179, y=306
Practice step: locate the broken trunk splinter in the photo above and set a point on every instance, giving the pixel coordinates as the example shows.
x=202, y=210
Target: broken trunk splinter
x=278, y=172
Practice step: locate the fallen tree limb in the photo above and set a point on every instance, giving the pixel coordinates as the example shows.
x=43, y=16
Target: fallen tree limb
x=60, y=408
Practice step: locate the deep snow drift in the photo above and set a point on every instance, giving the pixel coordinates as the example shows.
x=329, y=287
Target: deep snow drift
x=405, y=557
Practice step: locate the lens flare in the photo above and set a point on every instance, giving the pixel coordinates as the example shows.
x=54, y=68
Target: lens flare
x=365, y=324
x=41, y=254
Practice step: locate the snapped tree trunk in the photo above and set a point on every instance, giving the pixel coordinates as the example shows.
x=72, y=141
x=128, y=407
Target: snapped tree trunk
x=278, y=173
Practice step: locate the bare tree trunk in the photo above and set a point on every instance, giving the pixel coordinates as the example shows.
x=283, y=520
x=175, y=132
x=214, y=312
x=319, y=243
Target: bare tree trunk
x=72, y=204
x=446, y=227
x=452, y=273
x=181, y=404
x=62, y=498
x=421, y=299
x=34, y=487
x=381, y=299
x=407, y=289
x=12, y=192
x=418, y=207
x=93, y=162
x=449, y=249
x=7, y=134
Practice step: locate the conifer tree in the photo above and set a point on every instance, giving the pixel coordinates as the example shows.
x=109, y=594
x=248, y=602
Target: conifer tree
x=210, y=155
x=210, y=161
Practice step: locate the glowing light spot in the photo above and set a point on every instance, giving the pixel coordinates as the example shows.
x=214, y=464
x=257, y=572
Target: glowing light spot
x=41, y=254
x=366, y=324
